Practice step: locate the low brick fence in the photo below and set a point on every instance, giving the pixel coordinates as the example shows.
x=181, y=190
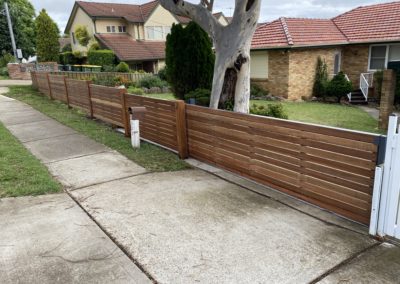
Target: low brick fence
x=329, y=167
x=22, y=71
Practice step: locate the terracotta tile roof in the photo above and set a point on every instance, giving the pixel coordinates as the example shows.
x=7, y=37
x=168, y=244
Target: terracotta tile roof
x=375, y=23
x=380, y=22
x=130, y=12
x=128, y=49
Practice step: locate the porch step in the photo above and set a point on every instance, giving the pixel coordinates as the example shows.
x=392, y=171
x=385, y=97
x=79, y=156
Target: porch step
x=357, y=98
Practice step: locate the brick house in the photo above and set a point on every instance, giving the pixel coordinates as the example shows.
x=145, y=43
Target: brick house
x=359, y=42
x=136, y=33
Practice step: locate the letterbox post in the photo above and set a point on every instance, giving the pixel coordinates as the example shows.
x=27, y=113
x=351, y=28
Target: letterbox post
x=137, y=113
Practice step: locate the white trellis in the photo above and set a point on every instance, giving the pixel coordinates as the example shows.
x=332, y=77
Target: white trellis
x=385, y=216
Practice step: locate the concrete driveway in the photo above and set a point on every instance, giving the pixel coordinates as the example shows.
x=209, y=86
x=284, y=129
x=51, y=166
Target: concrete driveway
x=190, y=226
x=49, y=239
x=179, y=227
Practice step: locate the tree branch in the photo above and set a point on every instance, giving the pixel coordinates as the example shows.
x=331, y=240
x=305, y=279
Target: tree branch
x=199, y=13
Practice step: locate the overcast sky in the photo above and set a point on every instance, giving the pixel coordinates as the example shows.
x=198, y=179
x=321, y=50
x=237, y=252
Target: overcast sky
x=60, y=10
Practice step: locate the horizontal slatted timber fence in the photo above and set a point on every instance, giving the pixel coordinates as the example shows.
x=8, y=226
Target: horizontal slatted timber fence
x=164, y=122
x=78, y=94
x=329, y=167
x=58, y=88
x=134, y=77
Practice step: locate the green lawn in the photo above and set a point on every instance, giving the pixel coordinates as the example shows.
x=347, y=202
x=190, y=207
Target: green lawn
x=20, y=172
x=336, y=115
x=344, y=116
x=4, y=77
x=151, y=157
x=166, y=96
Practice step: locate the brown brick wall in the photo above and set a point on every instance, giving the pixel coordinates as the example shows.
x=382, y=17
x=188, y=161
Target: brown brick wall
x=355, y=62
x=302, y=64
x=278, y=74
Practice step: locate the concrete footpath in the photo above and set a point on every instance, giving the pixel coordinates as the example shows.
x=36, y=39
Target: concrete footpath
x=205, y=226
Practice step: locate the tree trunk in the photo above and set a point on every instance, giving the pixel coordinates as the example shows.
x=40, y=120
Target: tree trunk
x=232, y=47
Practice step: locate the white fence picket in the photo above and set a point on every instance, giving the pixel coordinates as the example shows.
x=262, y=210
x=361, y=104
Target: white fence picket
x=387, y=221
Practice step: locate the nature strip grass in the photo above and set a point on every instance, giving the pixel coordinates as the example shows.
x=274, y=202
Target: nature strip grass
x=20, y=172
x=149, y=156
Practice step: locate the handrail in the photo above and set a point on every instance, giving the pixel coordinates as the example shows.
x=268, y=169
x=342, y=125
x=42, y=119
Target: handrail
x=349, y=94
x=366, y=81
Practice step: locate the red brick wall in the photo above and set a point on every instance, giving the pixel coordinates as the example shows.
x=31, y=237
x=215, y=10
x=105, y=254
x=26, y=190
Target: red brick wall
x=22, y=71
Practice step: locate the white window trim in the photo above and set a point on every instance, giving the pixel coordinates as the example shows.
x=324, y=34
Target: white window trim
x=386, y=55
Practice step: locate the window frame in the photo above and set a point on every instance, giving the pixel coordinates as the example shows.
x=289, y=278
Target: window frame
x=388, y=45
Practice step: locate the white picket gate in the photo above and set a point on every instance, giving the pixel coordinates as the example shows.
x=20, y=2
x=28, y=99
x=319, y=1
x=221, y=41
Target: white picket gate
x=385, y=213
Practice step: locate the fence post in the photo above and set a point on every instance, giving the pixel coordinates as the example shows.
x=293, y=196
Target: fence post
x=181, y=134
x=90, y=98
x=48, y=81
x=125, y=114
x=66, y=91
x=387, y=98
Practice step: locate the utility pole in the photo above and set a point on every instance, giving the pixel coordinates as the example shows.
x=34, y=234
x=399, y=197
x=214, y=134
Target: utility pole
x=14, y=47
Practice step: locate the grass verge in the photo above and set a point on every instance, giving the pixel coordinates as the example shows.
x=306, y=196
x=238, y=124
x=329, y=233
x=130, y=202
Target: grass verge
x=151, y=157
x=20, y=172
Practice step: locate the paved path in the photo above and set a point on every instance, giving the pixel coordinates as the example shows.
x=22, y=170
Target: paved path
x=6, y=83
x=190, y=226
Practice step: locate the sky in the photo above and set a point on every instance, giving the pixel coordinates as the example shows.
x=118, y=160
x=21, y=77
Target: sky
x=270, y=10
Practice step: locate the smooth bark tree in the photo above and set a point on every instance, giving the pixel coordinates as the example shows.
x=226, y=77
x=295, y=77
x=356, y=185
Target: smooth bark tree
x=232, y=43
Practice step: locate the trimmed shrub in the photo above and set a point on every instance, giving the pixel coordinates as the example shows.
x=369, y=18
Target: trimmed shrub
x=162, y=73
x=257, y=92
x=272, y=110
x=136, y=91
x=4, y=71
x=321, y=78
x=47, y=34
x=201, y=96
x=189, y=59
x=151, y=81
x=67, y=58
x=339, y=86
x=122, y=67
x=6, y=58
x=102, y=57
x=94, y=46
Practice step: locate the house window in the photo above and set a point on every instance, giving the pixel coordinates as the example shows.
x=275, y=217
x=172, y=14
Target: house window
x=259, y=65
x=381, y=55
x=157, y=32
x=113, y=29
x=336, y=63
x=122, y=29
x=73, y=38
x=377, y=59
x=108, y=29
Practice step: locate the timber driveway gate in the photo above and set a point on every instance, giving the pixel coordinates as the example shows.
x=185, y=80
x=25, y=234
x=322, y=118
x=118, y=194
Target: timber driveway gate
x=385, y=213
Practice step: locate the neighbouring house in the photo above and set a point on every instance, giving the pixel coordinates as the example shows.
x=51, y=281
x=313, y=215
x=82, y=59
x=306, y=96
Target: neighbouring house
x=136, y=33
x=359, y=42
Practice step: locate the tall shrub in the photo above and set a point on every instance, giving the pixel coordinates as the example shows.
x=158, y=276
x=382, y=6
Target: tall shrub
x=321, y=78
x=103, y=57
x=47, y=34
x=189, y=59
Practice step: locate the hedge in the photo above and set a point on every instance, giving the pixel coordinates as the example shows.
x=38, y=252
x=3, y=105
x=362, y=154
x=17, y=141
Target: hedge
x=67, y=58
x=101, y=57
